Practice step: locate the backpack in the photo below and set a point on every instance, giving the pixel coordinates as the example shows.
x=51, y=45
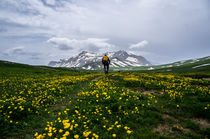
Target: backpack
x=105, y=58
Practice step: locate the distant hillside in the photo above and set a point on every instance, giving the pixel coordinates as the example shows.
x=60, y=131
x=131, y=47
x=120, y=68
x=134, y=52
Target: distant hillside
x=192, y=65
x=10, y=67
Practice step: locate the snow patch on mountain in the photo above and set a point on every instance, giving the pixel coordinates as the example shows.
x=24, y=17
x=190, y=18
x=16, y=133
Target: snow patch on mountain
x=201, y=65
x=151, y=68
x=132, y=59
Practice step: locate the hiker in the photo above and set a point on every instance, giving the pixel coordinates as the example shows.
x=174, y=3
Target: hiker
x=106, y=62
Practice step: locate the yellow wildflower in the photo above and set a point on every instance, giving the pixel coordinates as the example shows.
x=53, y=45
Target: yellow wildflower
x=114, y=135
x=76, y=136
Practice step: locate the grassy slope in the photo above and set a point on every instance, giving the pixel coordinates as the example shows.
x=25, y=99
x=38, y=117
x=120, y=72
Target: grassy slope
x=185, y=66
x=8, y=68
x=165, y=116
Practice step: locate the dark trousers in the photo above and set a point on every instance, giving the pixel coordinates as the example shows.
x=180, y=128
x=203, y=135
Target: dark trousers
x=106, y=68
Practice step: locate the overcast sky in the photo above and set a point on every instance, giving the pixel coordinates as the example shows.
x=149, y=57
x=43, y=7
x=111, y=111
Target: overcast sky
x=163, y=31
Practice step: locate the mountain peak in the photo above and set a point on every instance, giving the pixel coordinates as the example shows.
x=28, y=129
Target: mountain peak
x=121, y=52
x=83, y=52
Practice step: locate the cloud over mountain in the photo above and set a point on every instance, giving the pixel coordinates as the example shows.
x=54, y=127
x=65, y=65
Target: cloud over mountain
x=92, y=44
x=141, y=44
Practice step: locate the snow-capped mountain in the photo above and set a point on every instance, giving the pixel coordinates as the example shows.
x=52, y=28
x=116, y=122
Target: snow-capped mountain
x=92, y=61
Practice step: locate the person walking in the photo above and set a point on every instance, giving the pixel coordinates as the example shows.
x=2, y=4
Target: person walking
x=106, y=62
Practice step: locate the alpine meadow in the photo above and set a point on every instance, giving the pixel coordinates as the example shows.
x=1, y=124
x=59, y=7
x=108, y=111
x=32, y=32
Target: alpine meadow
x=45, y=102
x=104, y=69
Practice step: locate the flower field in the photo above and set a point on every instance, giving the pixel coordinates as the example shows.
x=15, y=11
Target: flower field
x=25, y=96
x=101, y=111
x=119, y=105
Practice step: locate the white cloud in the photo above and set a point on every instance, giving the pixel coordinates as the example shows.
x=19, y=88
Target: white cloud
x=141, y=44
x=15, y=51
x=20, y=51
x=50, y=2
x=169, y=25
x=113, y=18
x=91, y=44
x=62, y=43
x=22, y=54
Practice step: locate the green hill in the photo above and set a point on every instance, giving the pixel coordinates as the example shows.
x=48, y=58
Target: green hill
x=192, y=65
x=9, y=69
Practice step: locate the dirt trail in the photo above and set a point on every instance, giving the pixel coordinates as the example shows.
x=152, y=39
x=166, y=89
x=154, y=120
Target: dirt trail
x=152, y=92
x=97, y=78
x=202, y=122
x=207, y=79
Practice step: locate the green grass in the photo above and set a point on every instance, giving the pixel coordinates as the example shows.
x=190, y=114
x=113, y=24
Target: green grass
x=186, y=67
x=191, y=106
x=168, y=109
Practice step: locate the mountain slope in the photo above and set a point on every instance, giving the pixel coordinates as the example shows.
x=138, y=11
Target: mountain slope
x=192, y=65
x=92, y=61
